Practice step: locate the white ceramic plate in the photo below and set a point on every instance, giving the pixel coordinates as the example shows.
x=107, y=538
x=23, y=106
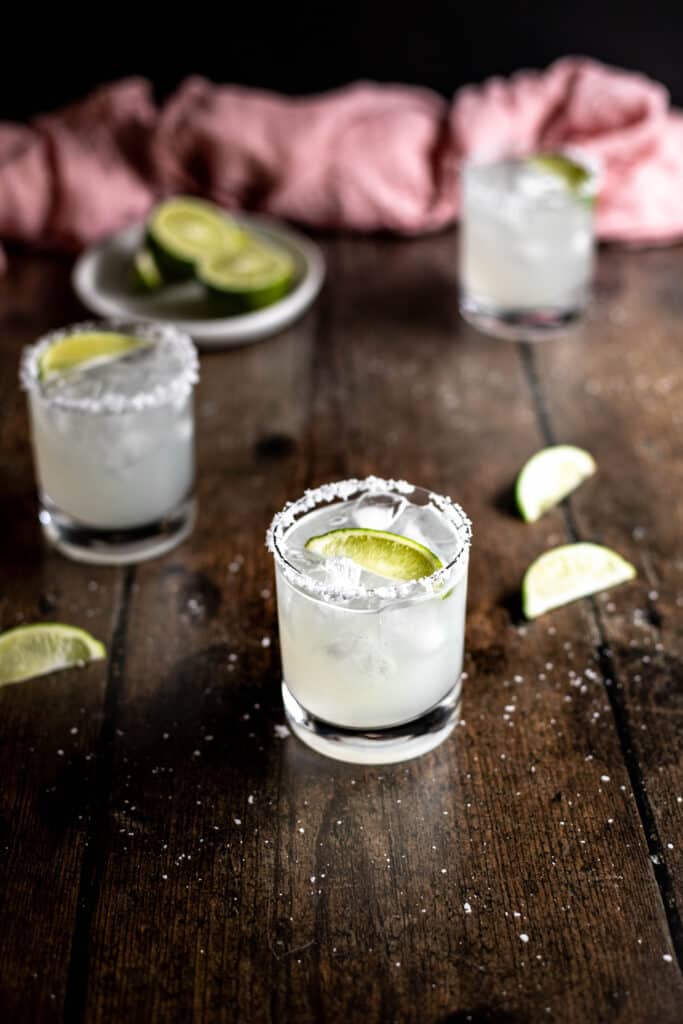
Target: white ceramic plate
x=101, y=279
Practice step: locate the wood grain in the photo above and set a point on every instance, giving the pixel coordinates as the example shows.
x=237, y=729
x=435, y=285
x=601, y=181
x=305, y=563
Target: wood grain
x=232, y=875
x=50, y=726
x=618, y=389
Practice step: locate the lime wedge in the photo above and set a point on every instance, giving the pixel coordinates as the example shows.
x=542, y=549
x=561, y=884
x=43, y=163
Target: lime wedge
x=182, y=231
x=576, y=176
x=252, y=278
x=549, y=476
x=146, y=275
x=384, y=554
x=77, y=349
x=45, y=647
x=566, y=573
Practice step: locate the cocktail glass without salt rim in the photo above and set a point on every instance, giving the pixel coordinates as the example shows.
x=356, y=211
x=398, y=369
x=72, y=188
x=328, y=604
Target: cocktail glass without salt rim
x=113, y=445
x=527, y=242
x=371, y=673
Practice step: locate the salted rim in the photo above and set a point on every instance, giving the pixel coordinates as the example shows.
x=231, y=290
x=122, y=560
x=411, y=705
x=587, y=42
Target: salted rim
x=178, y=341
x=343, y=490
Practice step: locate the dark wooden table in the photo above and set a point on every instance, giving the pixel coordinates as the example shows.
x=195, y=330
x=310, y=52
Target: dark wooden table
x=169, y=855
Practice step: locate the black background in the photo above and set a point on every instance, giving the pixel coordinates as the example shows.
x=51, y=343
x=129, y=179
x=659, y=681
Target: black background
x=51, y=59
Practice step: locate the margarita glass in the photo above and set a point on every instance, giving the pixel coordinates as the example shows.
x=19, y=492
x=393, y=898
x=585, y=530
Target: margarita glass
x=372, y=665
x=526, y=244
x=113, y=438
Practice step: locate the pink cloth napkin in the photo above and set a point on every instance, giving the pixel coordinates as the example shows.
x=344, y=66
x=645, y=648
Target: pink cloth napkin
x=364, y=158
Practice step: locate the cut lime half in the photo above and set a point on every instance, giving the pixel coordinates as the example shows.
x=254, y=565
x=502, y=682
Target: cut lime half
x=384, y=554
x=183, y=231
x=549, y=476
x=29, y=651
x=569, y=572
x=77, y=349
x=252, y=278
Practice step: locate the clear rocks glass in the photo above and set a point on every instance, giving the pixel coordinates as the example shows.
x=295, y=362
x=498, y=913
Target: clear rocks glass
x=113, y=444
x=372, y=667
x=526, y=244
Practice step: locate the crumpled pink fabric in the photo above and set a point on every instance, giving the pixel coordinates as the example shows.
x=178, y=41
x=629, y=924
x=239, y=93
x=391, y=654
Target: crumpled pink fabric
x=620, y=117
x=363, y=158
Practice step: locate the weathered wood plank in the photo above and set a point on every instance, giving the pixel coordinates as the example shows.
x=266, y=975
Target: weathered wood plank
x=50, y=726
x=192, y=745
x=617, y=389
x=383, y=894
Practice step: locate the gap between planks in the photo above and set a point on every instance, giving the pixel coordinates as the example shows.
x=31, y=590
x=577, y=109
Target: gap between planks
x=613, y=688
x=91, y=868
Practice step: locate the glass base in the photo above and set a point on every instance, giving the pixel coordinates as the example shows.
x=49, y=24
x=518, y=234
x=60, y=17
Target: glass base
x=116, y=547
x=375, y=746
x=518, y=325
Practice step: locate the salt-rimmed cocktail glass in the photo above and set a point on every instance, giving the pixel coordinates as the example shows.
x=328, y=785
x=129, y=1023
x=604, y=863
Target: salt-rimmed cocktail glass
x=371, y=668
x=113, y=443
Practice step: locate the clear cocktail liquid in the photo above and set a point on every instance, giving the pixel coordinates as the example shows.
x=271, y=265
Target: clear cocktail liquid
x=113, y=442
x=362, y=654
x=526, y=248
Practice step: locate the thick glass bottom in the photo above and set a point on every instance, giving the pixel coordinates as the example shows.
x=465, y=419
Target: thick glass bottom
x=518, y=324
x=375, y=746
x=116, y=547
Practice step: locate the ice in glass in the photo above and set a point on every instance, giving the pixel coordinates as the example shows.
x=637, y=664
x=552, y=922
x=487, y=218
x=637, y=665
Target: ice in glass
x=526, y=244
x=372, y=664
x=113, y=439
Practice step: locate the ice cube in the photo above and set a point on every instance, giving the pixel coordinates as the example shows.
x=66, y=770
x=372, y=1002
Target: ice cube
x=335, y=522
x=416, y=630
x=343, y=645
x=342, y=572
x=378, y=511
x=307, y=562
x=371, y=663
x=131, y=447
x=430, y=528
x=534, y=182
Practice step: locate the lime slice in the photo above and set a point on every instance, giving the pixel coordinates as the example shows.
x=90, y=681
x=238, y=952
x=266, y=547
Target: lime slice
x=256, y=276
x=577, y=177
x=549, y=476
x=384, y=554
x=146, y=275
x=566, y=573
x=77, y=349
x=182, y=231
x=35, y=650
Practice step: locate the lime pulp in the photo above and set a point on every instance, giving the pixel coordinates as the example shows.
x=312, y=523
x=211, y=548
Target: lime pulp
x=255, y=276
x=35, y=650
x=77, y=349
x=182, y=231
x=549, y=476
x=146, y=274
x=569, y=572
x=384, y=554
